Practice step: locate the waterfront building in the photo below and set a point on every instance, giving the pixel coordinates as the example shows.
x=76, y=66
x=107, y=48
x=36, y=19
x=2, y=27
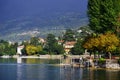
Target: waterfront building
x=19, y=48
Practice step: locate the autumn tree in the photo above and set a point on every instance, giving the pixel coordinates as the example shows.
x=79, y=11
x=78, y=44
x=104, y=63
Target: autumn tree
x=107, y=42
x=31, y=49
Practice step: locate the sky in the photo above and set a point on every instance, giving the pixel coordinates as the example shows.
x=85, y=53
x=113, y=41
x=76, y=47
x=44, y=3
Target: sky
x=16, y=8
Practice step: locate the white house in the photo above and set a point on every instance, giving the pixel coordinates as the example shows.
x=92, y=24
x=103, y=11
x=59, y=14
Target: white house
x=19, y=48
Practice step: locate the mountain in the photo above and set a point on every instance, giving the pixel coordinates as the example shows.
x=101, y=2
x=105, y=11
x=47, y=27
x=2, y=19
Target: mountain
x=21, y=19
x=25, y=27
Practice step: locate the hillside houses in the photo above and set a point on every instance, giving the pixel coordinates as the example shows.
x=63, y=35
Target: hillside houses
x=67, y=45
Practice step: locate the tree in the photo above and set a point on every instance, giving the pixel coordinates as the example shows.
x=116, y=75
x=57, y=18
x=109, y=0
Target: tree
x=34, y=41
x=59, y=49
x=103, y=15
x=52, y=45
x=78, y=49
x=91, y=43
x=117, y=6
x=25, y=43
x=12, y=49
x=24, y=52
x=31, y=49
x=2, y=48
x=51, y=41
x=111, y=43
x=117, y=9
x=83, y=32
x=107, y=42
x=93, y=14
x=39, y=48
x=69, y=35
x=7, y=49
x=117, y=52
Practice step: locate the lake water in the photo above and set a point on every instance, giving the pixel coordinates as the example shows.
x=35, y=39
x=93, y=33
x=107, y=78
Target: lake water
x=45, y=69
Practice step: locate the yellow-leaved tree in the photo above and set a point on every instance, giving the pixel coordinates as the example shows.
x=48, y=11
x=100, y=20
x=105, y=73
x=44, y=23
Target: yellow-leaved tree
x=111, y=42
x=91, y=43
x=31, y=49
x=107, y=42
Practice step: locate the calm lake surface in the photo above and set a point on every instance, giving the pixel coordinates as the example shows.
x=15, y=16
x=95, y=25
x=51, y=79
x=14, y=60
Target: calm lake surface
x=45, y=69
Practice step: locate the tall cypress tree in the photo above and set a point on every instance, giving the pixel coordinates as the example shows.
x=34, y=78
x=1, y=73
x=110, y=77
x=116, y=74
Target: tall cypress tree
x=117, y=9
x=103, y=15
x=117, y=6
x=93, y=14
x=107, y=16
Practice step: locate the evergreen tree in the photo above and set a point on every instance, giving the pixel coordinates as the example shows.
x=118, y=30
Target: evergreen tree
x=107, y=16
x=78, y=49
x=93, y=14
x=51, y=41
x=52, y=45
x=117, y=9
x=103, y=15
x=58, y=49
x=7, y=49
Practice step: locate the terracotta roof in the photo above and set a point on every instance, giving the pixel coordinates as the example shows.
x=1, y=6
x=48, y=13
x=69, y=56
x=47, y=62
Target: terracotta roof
x=70, y=43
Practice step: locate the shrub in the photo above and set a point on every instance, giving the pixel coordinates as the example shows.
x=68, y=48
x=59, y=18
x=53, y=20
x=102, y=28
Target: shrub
x=42, y=52
x=101, y=61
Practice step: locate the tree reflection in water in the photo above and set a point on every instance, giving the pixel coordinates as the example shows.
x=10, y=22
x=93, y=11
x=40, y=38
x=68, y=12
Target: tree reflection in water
x=68, y=73
x=41, y=70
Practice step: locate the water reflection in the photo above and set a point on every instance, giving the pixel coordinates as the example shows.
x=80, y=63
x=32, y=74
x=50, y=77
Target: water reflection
x=40, y=61
x=8, y=60
x=74, y=74
x=104, y=74
x=36, y=72
x=41, y=70
x=113, y=74
x=36, y=69
x=19, y=72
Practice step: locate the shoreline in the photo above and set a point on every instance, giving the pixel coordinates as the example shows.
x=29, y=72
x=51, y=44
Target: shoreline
x=44, y=56
x=34, y=56
x=59, y=57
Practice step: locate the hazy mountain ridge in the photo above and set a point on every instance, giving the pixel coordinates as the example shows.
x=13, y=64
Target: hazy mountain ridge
x=25, y=27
